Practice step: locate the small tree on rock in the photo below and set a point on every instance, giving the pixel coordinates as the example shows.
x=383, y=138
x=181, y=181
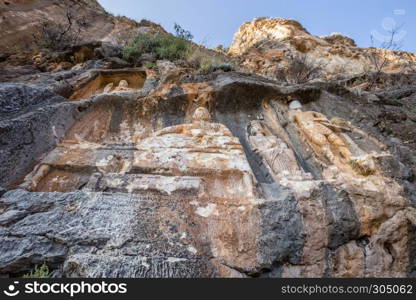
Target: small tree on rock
x=182, y=33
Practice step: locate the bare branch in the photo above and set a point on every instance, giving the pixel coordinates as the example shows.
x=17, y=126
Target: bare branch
x=300, y=70
x=59, y=36
x=379, y=59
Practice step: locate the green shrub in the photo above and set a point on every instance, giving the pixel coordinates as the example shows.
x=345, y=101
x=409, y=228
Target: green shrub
x=160, y=45
x=141, y=44
x=414, y=110
x=206, y=61
x=171, y=48
x=226, y=67
x=209, y=65
x=42, y=272
x=149, y=65
x=363, y=170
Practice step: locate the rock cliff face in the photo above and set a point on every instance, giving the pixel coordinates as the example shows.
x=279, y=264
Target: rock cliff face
x=21, y=19
x=266, y=45
x=165, y=173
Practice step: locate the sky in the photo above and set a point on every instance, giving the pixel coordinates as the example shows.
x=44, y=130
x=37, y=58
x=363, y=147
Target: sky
x=214, y=22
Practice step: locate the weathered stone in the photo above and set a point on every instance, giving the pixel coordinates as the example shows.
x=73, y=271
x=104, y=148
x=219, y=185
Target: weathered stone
x=108, y=50
x=267, y=45
x=105, y=266
x=20, y=254
x=18, y=99
x=283, y=236
x=349, y=261
x=36, y=119
x=166, y=173
x=82, y=228
x=387, y=253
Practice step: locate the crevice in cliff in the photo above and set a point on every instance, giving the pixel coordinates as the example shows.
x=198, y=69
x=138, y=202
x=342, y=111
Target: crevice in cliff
x=412, y=251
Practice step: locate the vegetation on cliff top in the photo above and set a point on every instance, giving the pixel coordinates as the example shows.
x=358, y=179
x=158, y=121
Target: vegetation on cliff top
x=144, y=48
x=160, y=46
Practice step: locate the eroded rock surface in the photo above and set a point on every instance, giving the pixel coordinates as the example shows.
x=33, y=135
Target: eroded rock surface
x=21, y=19
x=220, y=178
x=32, y=120
x=266, y=45
x=113, y=171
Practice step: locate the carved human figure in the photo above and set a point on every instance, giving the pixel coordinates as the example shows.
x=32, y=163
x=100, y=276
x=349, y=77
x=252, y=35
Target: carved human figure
x=278, y=157
x=200, y=126
x=33, y=179
x=108, y=88
x=321, y=134
x=123, y=86
x=328, y=140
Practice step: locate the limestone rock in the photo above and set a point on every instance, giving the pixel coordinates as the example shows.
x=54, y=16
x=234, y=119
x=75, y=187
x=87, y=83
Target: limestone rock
x=32, y=121
x=166, y=173
x=266, y=45
x=21, y=20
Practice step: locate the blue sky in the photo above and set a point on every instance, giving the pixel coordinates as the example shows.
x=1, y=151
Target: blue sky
x=214, y=22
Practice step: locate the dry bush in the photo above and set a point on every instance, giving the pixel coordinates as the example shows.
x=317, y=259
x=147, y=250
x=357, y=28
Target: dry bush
x=379, y=60
x=300, y=70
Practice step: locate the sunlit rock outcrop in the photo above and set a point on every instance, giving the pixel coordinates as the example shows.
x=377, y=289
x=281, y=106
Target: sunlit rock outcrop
x=111, y=170
x=22, y=19
x=267, y=45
